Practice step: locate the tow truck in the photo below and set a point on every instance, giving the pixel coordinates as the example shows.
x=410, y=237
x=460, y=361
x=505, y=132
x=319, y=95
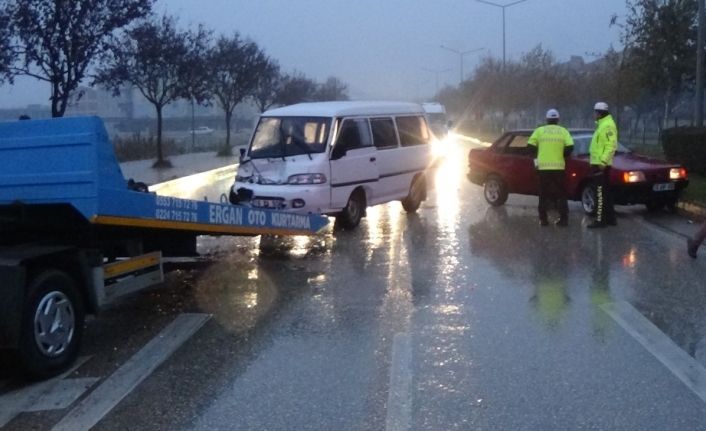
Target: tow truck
x=75, y=235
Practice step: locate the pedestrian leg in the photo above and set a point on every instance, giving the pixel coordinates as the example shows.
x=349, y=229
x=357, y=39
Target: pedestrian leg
x=562, y=204
x=544, y=190
x=693, y=243
x=600, y=199
x=609, y=208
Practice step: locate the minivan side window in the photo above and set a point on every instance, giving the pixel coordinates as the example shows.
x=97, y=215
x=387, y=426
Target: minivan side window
x=354, y=133
x=384, y=135
x=413, y=131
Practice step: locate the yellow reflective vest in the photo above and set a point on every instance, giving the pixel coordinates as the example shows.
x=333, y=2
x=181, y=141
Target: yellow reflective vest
x=550, y=141
x=604, y=143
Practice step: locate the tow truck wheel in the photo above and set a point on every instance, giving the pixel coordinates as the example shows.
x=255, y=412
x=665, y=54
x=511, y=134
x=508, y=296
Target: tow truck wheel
x=353, y=212
x=52, y=325
x=416, y=195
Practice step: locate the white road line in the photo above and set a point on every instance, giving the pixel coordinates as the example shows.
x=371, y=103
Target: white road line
x=53, y=394
x=686, y=368
x=101, y=401
x=399, y=401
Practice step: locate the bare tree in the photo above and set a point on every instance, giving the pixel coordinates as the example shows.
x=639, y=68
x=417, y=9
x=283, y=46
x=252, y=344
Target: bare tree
x=296, y=88
x=268, y=87
x=59, y=40
x=332, y=89
x=163, y=62
x=235, y=68
x=7, y=53
x=662, y=39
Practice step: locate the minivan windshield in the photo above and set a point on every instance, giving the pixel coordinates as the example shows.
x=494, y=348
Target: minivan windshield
x=289, y=136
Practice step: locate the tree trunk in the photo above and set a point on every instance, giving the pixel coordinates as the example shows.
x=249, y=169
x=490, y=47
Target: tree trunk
x=160, y=154
x=229, y=116
x=58, y=101
x=665, y=114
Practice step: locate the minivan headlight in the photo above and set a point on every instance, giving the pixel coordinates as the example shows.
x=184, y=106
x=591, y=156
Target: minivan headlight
x=677, y=173
x=307, y=179
x=633, y=177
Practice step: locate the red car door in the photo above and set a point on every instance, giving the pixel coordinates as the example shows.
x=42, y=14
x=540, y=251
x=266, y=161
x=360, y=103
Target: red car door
x=515, y=164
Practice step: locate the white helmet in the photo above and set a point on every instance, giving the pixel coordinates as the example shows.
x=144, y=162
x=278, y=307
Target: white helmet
x=601, y=106
x=552, y=113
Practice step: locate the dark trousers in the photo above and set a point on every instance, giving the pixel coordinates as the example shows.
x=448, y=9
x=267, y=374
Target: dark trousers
x=605, y=212
x=552, y=190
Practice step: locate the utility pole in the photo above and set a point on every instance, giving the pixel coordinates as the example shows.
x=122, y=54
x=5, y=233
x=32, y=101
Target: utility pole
x=461, y=54
x=503, y=7
x=699, y=99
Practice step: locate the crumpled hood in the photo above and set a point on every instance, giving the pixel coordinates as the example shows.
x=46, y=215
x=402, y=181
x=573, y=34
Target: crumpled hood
x=278, y=171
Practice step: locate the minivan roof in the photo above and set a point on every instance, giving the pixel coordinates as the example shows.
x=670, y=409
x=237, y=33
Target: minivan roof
x=346, y=108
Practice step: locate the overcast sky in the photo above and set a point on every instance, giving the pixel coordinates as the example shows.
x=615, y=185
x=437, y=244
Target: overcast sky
x=381, y=48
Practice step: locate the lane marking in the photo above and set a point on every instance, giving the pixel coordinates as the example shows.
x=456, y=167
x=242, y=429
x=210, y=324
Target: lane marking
x=686, y=368
x=399, y=400
x=52, y=394
x=102, y=400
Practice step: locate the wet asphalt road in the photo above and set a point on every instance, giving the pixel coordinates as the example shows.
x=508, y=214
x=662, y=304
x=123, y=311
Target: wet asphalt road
x=459, y=317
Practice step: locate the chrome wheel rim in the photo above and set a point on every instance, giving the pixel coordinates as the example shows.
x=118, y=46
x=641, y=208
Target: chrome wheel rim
x=492, y=190
x=588, y=199
x=54, y=324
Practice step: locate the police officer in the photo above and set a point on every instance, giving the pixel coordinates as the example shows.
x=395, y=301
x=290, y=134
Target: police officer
x=552, y=144
x=603, y=147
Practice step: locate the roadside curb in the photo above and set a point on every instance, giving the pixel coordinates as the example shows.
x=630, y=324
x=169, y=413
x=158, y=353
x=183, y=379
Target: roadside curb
x=692, y=209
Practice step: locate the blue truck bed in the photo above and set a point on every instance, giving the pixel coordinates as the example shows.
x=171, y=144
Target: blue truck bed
x=47, y=165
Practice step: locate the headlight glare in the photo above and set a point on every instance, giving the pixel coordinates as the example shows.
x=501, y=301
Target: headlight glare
x=677, y=173
x=633, y=177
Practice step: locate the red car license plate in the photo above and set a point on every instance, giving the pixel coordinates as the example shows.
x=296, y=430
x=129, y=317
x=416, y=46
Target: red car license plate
x=663, y=187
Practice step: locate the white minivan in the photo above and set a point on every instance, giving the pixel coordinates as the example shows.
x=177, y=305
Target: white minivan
x=336, y=158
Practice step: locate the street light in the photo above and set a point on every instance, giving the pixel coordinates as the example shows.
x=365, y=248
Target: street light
x=437, y=76
x=461, y=54
x=503, y=8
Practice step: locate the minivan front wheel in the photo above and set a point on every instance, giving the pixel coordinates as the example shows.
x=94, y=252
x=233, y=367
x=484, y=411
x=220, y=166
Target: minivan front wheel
x=353, y=212
x=417, y=192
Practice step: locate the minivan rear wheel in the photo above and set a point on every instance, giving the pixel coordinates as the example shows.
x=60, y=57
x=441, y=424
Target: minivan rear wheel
x=353, y=212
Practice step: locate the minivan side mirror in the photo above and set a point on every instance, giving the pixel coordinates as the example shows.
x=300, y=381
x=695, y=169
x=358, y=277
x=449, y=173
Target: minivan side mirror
x=242, y=154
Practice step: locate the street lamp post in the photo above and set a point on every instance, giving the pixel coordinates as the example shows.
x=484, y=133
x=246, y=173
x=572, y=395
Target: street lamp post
x=437, y=72
x=461, y=54
x=503, y=8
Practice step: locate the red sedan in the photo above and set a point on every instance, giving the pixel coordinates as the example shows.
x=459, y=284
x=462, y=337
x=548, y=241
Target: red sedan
x=507, y=166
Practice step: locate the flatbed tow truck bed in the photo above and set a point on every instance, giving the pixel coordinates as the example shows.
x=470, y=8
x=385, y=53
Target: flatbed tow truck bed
x=74, y=236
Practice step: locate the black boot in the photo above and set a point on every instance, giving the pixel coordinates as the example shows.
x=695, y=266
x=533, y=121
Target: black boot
x=692, y=247
x=596, y=224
